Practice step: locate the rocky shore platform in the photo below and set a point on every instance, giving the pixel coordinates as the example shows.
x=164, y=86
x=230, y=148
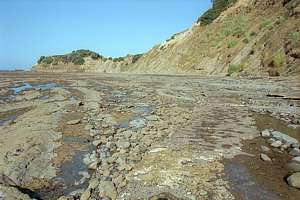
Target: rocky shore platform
x=109, y=137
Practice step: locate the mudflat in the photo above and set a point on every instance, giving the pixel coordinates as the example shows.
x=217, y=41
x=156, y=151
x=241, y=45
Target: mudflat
x=120, y=136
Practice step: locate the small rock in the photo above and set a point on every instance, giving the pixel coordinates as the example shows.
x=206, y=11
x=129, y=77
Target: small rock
x=107, y=189
x=294, y=180
x=276, y=144
x=93, y=183
x=265, y=133
x=93, y=165
x=97, y=143
x=86, y=195
x=123, y=145
x=293, y=167
x=284, y=138
x=265, y=149
x=152, y=118
x=296, y=159
x=264, y=157
x=74, y=122
x=294, y=152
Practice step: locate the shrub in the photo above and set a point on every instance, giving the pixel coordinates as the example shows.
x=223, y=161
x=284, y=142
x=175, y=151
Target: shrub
x=279, y=58
x=41, y=59
x=136, y=58
x=234, y=69
x=119, y=59
x=218, y=7
x=295, y=36
x=234, y=26
x=232, y=44
x=78, y=61
x=266, y=24
x=48, y=60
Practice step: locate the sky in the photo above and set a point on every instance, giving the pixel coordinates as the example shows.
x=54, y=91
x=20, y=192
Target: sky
x=112, y=28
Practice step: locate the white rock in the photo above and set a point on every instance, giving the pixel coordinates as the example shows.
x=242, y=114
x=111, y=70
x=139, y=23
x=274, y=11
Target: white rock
x=97, y=142
x=73, y=122
x=276, y=144
x=265, y=133
x=264, y=157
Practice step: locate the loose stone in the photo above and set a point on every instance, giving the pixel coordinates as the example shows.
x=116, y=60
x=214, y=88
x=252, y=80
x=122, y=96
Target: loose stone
x=264, y=157
x=74, y=122
x=294, y=180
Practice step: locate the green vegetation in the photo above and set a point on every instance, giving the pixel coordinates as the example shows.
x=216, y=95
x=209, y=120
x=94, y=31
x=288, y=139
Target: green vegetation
x=48, y=60
x=234, y=69
x=76, y=57
x=295, y=36
x=136, y=57
x=234, y=26
x=279, y=58
x=266, y=24
x=119, y=59
x=218, y=7
x=232, y=44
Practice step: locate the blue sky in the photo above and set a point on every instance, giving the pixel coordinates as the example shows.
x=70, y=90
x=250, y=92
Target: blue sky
x=31, y=28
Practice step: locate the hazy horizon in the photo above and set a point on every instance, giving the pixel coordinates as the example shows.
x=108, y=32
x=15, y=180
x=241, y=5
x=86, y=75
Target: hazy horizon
x=30, y=29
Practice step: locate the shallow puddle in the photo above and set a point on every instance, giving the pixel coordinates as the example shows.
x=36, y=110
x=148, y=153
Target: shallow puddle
x=28, y=86
x=11, y=115
x=244, y=185
x=267, y=122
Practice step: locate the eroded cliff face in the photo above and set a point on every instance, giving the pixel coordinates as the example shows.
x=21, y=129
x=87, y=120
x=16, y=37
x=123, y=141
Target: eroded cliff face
x=250, y=37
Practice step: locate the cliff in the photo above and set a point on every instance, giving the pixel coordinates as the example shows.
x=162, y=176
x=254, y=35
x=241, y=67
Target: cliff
x=244, y=37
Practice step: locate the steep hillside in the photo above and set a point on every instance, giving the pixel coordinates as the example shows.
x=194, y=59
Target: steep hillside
x=244, y=37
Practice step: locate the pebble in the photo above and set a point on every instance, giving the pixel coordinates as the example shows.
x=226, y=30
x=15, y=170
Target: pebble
x=73, y=122
x=294, y=180
x=276, y=144
x=123, y=145
x=107, y=189
x=265, y=133
x=97, y=143
x=93, y=165
x=86, y=194
x=264, y=157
